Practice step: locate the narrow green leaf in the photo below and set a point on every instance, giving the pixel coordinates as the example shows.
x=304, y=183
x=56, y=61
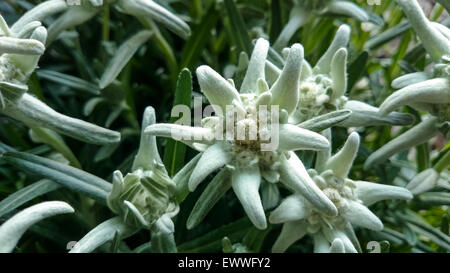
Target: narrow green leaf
x=175, y=150
x=220, y=184
x=196, y=43
x=325, y=121
x=356, y=69
x=123, y=56
x=68, y=80
x=387, y=36
x=26, y=194
x=49, y=137
x=435, y=198
x=67, y=176
x=276, y=24
x=238, y=28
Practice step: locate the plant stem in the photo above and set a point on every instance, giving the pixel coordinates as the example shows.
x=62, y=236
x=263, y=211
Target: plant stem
x=443, y=163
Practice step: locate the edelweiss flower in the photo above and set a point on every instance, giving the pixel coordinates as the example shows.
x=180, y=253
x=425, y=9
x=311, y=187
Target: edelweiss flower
x=20, y=50
x=351, y=198
x=250, y=158
x=145, y=195
x=322, y=90
x=304, y=10
x=424, y=91
x=145, y=10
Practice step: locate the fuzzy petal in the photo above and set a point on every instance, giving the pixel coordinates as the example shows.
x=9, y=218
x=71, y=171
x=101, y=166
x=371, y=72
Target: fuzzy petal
x=333, y=234
x=413, y=137
x=256, y=67
x=180, y=132
x=294, y=175
x=360, y=215
x=285, y=90
x=340, y=40
x=12, y=230
x=148, y=151
x=39, y=13
x=337, y=246
x=293, y=208
x=434, y=42
x=294, y=138
x=342, y=161
x=218, y=91
x=424, y=181
x=290, y=233
x=409, y=79
x=21, y=46
x=102, y=234
x=212, y=159
x=339, y=73
x=321, y=244
x=245, y=183
x=431, y=91
x=148, y=8
x=347, y=9
x=72, y=17
x=364, y=115
x=297, y=17
x=371, y=193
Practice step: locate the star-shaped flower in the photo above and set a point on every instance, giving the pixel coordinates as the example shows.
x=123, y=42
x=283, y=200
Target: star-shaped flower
x=425, y=91
x=323, y=88
x=351, y=198
x=245, y=160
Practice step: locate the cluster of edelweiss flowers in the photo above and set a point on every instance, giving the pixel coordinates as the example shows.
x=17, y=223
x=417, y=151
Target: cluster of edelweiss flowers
x=325, y=202
x=249, y=144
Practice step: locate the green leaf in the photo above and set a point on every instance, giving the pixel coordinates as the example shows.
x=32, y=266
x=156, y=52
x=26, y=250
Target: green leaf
x=387, y=36
x=123, y=56
x=26, y=194
x=325, y=121
x=67, y=176
x=238, y=28
x=276, y=24
x=69, y=80
x=195, y=45
x=435, y=198
x=217, y=188
x=356, y=69
x=53, y=139
x=175, y=150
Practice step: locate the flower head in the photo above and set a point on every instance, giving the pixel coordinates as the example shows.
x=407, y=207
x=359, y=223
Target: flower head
x=351, y=198
x=323, y=87
x=425, y=91
x=256, y=145
x=146, y=194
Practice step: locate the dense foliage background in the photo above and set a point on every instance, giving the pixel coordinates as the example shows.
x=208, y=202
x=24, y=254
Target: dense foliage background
x=376, y=58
